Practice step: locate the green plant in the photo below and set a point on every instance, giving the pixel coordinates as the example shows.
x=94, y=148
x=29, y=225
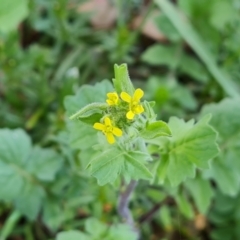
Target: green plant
x=180, y=146
x=131, y=161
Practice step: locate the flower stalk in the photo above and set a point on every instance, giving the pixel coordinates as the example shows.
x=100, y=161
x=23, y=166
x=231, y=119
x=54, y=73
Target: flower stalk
x=123, y=205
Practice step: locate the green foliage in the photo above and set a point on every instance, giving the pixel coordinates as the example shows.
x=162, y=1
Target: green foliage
x=89, y=110
x=97, y=230
x=58, y=173
x=12, y=13
x=107, y=166
x=225, y=167
x=191, y=146
x=156, y=129
x=24, y=169
x=160, y=55
x=184, y=206
x=197, y=44
x=202, y=193
x=72, y=235
x=225, y=217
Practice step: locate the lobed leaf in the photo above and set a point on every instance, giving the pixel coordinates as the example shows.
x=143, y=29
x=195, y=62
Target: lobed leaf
x=191, y=146
x=22, y=168
x=107, y=166
x=226, y=167
x=156, y=129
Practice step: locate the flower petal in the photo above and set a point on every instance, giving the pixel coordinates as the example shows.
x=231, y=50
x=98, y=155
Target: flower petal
x=110, y=102
x=126, y=97
x=114, y=95
x=112, y=98
x=130, y=115
x=138, y=94
x=110, y=138
x=107, y=121
x=99, y=126
x=139, y=109
x=110, y=95
x=117, y=132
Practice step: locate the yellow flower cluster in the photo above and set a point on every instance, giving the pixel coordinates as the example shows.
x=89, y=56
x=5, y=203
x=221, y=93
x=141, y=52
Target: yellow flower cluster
x=134, y=107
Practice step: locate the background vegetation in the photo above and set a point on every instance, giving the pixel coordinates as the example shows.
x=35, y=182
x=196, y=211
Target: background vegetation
x=185, y=54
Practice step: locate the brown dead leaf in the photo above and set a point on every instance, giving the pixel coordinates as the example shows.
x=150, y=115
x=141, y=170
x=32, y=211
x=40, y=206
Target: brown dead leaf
x=104, y=14
x=149, y=29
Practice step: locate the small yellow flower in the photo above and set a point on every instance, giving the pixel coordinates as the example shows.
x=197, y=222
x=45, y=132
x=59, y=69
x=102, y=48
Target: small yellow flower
x=134, y=103
x=108, y=129
x=112, y=99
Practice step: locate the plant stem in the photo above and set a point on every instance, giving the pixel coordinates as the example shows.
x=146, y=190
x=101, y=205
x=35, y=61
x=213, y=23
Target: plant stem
x=149, y=215
x=123, y=205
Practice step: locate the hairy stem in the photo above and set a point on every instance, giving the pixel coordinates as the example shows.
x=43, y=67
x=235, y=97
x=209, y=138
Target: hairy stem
x=123, y=204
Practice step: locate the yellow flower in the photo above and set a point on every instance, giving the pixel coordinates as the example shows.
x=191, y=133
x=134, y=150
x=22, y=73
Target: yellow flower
x=112, y=99
x=134, y=103
x=108, y=129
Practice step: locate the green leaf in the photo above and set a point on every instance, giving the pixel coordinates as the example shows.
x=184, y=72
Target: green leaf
x=167, y=91
x=121, y=232
x=197, y=44
x=192, y=67
x=161, y=170
x=225, y=168
x=156, y=129
x=160, y=55
x=109, y=164
x=86, y=95
x=122, y=82
x=89, y=110
x=225, y=119
x=225, y=175
x=12, y=13
x=134, y=165
x=22, y=168
x=222, y=13
x=148, y=110
x=82, y=135
x=53, y=215
x=99, y=230
x=191, y=146
x=202, y=193
x=44, y=164
x=166, y=219
x=30, y=200
x=95, y=228
x=184, y=206
x=167, y=28
x=73, y=235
